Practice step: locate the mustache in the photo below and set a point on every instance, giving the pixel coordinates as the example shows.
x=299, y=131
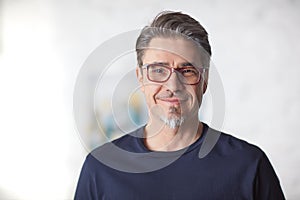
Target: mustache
x=179, y=96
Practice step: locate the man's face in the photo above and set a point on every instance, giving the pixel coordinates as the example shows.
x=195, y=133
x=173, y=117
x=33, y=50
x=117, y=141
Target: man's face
x=172, y=101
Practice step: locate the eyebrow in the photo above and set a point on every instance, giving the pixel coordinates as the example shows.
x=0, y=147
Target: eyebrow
x=161, y=63
x=184, y=64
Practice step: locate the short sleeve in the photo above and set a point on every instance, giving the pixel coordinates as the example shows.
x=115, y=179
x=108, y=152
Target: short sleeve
x=86, y=186
x=267, y=185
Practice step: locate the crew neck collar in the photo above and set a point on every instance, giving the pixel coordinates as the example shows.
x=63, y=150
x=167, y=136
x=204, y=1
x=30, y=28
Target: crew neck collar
x=139, y=136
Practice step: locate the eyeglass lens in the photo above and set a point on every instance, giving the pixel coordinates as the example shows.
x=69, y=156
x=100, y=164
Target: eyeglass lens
x=161, y=73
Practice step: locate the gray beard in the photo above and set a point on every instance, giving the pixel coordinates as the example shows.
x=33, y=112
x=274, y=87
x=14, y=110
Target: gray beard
x=172, y=122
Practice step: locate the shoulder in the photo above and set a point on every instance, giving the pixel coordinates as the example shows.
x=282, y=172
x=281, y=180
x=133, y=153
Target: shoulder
x=129, y=142
x=229, y=145
x=132, y=141
x=234, y=142
x=234, y=153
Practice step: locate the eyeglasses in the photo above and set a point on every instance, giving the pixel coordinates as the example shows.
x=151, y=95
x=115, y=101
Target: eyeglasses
x=161, y=72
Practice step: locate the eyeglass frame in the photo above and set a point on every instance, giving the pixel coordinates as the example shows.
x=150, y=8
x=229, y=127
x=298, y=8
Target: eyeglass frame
x=171, y=69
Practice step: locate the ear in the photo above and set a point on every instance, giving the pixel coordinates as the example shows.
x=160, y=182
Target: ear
x=139, y=76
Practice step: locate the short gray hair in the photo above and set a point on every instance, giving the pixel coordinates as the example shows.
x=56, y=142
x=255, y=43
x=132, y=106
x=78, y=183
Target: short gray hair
x=170, y=24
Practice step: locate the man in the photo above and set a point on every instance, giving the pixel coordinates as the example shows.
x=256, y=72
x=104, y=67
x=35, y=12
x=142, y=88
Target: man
x=164, y=159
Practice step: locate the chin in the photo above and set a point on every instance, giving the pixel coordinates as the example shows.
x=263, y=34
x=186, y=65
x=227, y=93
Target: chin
x=173, y=122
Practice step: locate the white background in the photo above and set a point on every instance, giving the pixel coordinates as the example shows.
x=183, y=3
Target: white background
x=44, y=43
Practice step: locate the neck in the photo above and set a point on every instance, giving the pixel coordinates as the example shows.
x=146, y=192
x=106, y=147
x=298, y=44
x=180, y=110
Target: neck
x=160, y=137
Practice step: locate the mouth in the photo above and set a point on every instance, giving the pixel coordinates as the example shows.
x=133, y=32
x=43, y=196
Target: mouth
x=171, y=101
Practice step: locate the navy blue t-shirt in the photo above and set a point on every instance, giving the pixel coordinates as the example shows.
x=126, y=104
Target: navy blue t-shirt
x=126, y=169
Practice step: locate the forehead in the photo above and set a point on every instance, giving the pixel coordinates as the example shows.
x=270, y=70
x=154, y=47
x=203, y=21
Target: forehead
x=172, y=50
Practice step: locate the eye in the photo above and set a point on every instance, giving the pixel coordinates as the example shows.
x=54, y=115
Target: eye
x=158, y=69
x=189, y=72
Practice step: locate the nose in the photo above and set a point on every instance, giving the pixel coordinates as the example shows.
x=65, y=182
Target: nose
x=173, y=83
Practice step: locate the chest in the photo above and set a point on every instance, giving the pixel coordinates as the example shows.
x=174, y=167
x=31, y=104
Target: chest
x=181, y=180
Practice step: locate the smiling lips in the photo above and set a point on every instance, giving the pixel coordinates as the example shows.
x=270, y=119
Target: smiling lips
x=172, y=100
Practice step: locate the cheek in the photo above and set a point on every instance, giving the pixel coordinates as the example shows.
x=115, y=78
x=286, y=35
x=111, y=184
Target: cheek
x=199, y=94
x=150, y=92
x=196, y=94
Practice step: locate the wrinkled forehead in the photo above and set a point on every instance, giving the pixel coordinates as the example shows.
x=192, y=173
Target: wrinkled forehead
x=186, y=50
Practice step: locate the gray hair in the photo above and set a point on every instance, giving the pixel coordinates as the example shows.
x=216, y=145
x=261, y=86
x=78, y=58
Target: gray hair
x=171, y=24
